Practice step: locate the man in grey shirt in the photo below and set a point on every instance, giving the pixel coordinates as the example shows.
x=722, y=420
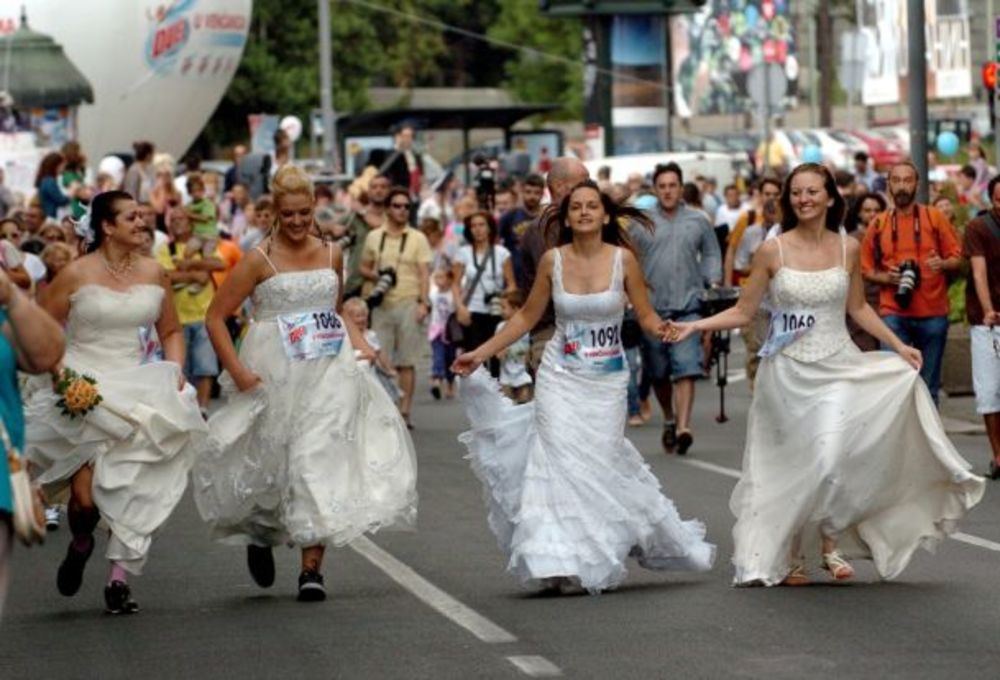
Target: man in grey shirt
x=680, y=257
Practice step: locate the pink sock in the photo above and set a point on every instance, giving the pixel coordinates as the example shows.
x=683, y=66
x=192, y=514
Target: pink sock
x=117, y=573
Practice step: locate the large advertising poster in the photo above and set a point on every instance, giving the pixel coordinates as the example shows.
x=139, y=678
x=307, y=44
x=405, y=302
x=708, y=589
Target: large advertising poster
x=714, y=50
x=158, y=67
x=639, y=57
x=883, y=23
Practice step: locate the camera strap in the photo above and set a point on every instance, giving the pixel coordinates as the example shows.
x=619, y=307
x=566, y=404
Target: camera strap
x=480, y=268
x=894, y=234
x=381, y=247
x=991, y=222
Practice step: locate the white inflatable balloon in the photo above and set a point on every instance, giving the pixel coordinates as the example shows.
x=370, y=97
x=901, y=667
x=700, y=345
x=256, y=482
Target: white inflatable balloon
x=292, y=126
x=158, y=67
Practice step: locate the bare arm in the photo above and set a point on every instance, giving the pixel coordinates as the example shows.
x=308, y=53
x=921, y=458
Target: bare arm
x=168, y=328
x=508, y=275
x=367, y=267
x=424, y=277
x=638, y=295
x=981, y=282
x=37, y=339
x=522, y=322
x=228, y=299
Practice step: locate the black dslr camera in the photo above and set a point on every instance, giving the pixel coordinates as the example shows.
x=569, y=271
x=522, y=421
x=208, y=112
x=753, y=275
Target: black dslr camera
x=909, y=280
x=386, y=281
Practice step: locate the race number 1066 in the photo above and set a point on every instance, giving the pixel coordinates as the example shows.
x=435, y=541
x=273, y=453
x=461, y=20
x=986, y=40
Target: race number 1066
x=796, y=322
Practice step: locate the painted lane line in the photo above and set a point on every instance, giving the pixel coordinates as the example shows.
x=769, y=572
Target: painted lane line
x=431, y=595
x=976, y=541
x=735, y=474
x=535, y=666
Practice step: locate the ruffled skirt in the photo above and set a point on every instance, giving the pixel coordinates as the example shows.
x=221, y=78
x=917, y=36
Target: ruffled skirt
x=566, y=493
x=140, y=441
x=851, y=447
x=316, y=455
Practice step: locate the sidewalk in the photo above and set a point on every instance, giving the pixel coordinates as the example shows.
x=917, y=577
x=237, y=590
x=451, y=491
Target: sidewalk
x=959, y=415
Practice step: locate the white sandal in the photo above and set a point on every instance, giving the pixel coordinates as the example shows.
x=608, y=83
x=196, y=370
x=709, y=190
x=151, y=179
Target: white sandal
x=839, y=568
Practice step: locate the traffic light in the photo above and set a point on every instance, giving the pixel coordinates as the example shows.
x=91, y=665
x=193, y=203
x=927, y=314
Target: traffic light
x=990, y=76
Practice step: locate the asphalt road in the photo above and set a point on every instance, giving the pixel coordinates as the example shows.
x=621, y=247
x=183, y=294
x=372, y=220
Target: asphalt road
x=437, y=604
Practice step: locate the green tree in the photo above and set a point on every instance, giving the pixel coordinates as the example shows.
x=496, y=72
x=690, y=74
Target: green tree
x=534, y=78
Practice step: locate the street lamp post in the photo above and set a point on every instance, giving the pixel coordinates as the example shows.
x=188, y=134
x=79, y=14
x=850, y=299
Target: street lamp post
x=326, y=88
x=917, y=63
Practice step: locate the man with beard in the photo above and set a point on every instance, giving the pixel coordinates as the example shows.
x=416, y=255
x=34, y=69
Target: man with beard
x=908, y=251
x=514, y=223
x=360, y=226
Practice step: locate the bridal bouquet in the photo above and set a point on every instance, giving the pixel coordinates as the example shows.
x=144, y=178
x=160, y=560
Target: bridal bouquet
x=79, y=394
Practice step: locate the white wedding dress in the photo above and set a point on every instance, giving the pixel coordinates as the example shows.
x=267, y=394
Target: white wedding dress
x=318, y=453
x=140, y=439
x=567, y=494
x=840, y=442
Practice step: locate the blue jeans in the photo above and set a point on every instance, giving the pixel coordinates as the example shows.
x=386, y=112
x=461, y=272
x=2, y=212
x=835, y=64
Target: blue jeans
x=200, y=361
x=928, y=334
x=632, y=356
x=442, y=356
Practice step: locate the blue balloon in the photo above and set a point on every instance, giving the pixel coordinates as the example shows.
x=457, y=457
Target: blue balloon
x=947, y=143
x=812, y=154
x=645, y=202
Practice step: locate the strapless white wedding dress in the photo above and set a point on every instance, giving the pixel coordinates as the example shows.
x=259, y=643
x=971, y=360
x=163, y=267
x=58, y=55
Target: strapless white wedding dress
x=840, y=442
x=567, y=494
x=140, y=439
x=318, y=453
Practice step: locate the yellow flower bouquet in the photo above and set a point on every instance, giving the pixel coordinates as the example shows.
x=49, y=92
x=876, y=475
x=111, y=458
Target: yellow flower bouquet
x=79, y=394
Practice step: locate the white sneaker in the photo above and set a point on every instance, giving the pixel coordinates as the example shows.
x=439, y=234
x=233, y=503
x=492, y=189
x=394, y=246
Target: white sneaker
x=52, y=517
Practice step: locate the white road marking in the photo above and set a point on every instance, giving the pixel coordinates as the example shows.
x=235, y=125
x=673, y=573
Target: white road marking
x=735, y=474
x=535, y=666
x=431, y=595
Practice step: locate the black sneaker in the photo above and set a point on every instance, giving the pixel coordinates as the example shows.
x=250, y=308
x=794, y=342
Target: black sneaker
x=118, y=599
x=436, y=393
x=260, y=562
x=994, y=472
x=669, y=438
x=69, y=578
x=684, y=442
x=311, y=586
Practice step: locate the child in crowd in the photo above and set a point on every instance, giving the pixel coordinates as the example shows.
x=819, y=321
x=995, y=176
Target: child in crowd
x=356, y=310
x=260, y=224
x=515, y=381
x=442, y=351
x=202, y=211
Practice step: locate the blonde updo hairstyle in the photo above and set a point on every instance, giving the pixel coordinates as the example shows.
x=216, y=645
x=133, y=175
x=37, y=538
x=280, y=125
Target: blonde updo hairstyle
x=289, y=180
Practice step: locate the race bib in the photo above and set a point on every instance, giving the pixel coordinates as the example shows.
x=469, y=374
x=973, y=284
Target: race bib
x=311, y=335
x=787, y=326
x=149, y=349
x=593, y=347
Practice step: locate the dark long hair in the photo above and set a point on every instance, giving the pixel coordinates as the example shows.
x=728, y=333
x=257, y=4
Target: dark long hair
x=49, y=167
x=615, y=231
x=852, y=221
x=490, y=223
x=103, y=209
x=834, y=214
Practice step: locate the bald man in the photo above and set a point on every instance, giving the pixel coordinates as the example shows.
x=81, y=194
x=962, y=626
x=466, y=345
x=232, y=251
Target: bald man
x=566, y=173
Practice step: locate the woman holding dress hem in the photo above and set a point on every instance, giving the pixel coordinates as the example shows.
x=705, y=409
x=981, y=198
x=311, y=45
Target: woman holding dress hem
x=127, y=460
x=819, y=480
x=569, y=498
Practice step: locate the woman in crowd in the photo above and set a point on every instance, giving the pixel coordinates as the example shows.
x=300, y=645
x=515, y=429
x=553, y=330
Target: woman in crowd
x=309, y=449
x=56, y=257
x=481, y=272
x=859, y=215
x=11, y=257
x=126, y=461
x=30, y=341
x=164, y=194
x=569, y=498
x=846, y=456
x=74, y=175
x=50, y=193
x=140, y=178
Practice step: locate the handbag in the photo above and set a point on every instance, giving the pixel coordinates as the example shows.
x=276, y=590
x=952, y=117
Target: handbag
x=28, y=513
x=454, y=331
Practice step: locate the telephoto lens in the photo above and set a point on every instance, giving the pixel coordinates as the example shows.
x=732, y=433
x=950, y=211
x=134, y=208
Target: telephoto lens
x=386, y=280
x=909, y=279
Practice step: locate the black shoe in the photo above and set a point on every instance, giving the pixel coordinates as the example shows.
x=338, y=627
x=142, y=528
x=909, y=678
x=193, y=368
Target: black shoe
x=260, y=562
x=684, y=442
x=118, y=599
x=669, y=438
x=311, y=586
x=436, y=393
x=69, y=578
x=994, y=472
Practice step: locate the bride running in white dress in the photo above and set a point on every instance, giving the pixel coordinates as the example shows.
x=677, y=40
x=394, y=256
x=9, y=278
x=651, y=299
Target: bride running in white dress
x=309, y=449
x=127, y=461
x=569, y=498
x=845, y=457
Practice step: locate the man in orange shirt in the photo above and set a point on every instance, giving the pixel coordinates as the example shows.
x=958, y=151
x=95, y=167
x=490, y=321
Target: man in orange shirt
x=908, y=251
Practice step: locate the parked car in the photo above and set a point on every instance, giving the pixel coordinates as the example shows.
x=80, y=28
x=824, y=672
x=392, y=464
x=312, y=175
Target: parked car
x=882, y=151
x=837, y=148
x=722, y=166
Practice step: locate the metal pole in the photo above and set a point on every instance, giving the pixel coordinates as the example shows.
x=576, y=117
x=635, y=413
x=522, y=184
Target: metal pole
x=326, y=88
x=813, y=84
x=917, y=67
x=992, y=40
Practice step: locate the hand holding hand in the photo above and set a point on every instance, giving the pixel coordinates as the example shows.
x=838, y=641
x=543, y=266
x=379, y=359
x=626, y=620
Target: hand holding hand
x=678, y=331
x=246, y=380
x=912, y=356
x=466, y=364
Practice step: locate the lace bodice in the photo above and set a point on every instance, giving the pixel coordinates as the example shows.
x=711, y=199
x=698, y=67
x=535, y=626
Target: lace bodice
x=102, y=330
x=300, y=291
x=824, y=294
x=605, y=306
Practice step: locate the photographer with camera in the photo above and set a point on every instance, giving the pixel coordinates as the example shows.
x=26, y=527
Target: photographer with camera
x=482, y=271
x=908, y=251
x=395, y=264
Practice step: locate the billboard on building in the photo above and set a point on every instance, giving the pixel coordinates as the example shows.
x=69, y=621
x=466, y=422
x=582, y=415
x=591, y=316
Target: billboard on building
x=883, y=23
x=714, y=50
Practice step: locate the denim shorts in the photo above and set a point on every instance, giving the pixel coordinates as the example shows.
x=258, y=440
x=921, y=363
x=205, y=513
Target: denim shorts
x=677, y=361
x=201, y=361
x=986, y=368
